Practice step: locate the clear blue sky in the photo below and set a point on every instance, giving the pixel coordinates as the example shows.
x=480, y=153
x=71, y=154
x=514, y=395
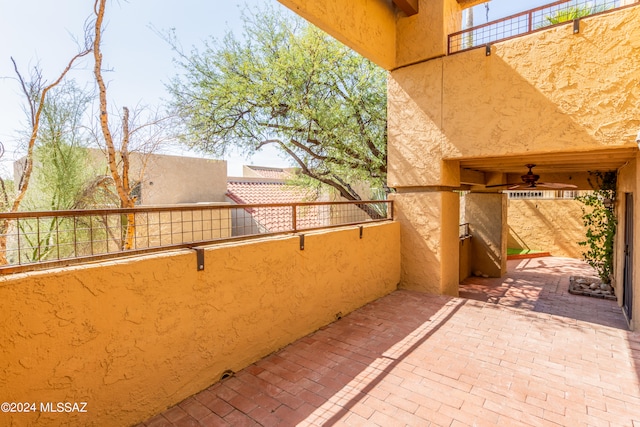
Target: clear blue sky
x=42, y=32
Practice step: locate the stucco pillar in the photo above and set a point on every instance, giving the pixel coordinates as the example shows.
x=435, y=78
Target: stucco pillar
x=429, y=240
x=486, y=214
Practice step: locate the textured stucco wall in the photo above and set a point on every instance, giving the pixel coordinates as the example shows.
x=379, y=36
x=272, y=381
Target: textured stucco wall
x=429, y=241
x=424, y=35
x=465, y=259
x=378, y=31
x=134, y=336
x=368, y=27
x=177, y=179
x=487, y=217
x=553, y=226
x=550, y=91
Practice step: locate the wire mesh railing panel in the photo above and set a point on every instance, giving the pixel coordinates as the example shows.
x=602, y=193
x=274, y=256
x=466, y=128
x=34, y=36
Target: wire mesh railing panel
x=32, y=239
x=527, y=22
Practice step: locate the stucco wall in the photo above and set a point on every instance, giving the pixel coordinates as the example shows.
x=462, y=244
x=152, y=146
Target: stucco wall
x=368, y=27
x=176, y=179
x=134, y=336
x=429, y=241
x=553, y=226
x=486, y=214
x=465, y=259
x=550, y=91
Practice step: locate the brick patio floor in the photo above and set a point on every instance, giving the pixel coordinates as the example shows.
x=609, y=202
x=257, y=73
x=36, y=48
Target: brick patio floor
x=527, y=354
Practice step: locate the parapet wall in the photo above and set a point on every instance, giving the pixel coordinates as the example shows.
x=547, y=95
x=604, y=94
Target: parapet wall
x=133, y=337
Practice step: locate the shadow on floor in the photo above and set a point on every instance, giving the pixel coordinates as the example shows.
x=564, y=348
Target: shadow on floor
x=542, y=285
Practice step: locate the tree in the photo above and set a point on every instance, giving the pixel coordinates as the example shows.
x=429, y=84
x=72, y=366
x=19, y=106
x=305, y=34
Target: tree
x=288, y=84
x=35, y=91
x=63, y=174
x=571, y=13
x=118, y=143
x=62, y=167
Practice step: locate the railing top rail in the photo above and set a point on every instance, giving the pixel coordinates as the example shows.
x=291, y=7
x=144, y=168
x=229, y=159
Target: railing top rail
x=175, y=208
x=34, y=240
x=510, y=25
x=507, y=18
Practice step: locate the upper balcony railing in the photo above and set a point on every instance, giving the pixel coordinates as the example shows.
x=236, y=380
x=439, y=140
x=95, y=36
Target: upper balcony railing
x=527, y=22
x=34, y=240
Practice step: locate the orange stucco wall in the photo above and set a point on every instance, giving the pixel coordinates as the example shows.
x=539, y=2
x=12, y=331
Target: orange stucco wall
x=132, y=337
x=553, y=226
x=551, y=91
x=368, y=27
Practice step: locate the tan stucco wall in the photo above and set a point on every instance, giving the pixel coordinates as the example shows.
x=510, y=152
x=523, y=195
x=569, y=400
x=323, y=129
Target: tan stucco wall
x=368, y=27
x=487, y=218
x=429, y=241
x=551, y=91
x=465, y=259
x=553, y=226
x=424, y=35
x=177, y=179
x=135, y=336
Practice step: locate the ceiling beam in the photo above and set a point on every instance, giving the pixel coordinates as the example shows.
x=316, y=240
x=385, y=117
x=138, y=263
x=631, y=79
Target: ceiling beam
x=409, y=7
x=468, y=176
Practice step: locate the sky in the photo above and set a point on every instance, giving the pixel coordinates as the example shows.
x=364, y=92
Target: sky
x=140, y=63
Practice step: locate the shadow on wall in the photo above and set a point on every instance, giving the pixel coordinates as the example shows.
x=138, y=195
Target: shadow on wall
x=554, y=226
x=516, y=101
x=420, y=264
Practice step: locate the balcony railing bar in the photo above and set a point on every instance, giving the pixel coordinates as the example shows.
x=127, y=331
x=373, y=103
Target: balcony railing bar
x=525, y=25
x=90, y=235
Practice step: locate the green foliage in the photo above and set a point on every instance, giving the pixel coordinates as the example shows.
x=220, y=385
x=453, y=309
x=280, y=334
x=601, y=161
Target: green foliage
x=571, y=13
x=288, y=84
x=601, y=223
x=63, y=172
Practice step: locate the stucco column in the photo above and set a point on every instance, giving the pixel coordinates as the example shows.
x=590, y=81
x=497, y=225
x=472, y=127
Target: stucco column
x=429, y=240
x=486, y=214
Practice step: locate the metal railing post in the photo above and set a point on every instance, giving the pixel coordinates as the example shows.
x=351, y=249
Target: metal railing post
x=294, y=218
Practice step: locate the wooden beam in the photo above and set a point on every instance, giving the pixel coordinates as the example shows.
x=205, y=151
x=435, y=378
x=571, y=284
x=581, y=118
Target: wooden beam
x=468, y=176
x=409, y=7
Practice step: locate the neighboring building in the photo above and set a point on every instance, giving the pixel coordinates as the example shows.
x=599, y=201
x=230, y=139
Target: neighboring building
x=161, y=179
x=264, y=185
x=167, y=180
x=562, y=97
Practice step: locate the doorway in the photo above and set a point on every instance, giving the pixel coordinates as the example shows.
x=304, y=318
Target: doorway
x=627, y=292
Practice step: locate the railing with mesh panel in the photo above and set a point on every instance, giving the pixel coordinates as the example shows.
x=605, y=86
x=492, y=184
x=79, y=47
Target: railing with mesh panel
x=527, y=22
x=32, y=240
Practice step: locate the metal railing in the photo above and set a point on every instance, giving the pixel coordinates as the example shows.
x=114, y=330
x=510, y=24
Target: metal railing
x=34, y=240
x=528, y=22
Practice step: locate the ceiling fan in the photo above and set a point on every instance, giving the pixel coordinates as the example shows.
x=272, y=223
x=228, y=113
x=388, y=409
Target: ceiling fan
x=530, y=180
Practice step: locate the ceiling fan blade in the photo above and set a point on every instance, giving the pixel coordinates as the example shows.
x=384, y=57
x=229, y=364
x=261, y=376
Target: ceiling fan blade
x=522, y=186
x=501, y=185
x=556, y=185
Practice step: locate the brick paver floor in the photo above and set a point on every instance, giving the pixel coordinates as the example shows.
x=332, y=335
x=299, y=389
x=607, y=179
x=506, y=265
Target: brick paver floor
x=530, y=354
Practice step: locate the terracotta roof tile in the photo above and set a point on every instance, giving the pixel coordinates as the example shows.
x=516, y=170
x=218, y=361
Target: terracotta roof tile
x=273, y=219
x=273, y=173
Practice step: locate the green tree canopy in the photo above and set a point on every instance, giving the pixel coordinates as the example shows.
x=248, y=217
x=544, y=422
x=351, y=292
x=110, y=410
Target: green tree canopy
x=288, y=84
